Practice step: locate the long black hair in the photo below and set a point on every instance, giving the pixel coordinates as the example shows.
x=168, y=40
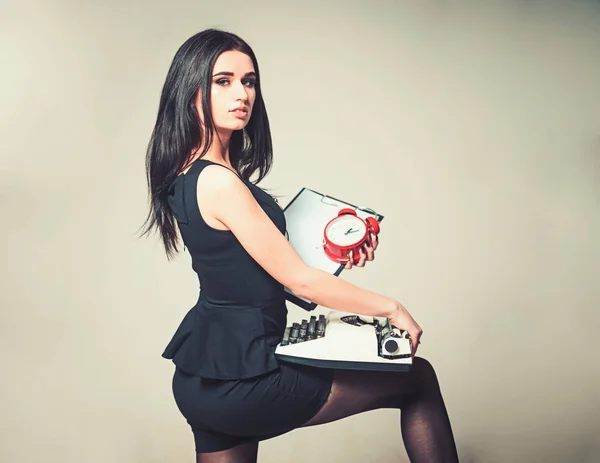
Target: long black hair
x=179, y=131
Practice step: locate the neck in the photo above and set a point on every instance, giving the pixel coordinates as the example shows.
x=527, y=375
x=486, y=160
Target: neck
x=219, y=149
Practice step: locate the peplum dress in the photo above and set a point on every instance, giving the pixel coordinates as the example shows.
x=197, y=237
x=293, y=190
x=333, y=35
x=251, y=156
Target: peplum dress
x=228, y=384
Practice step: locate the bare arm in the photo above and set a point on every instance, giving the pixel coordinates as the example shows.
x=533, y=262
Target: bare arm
x=227, y=199
x=332, y=292
x=223, y=196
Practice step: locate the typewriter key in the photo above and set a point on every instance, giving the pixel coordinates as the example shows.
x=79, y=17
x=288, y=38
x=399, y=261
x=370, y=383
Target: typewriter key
x=294, y=333
x=321, y=326
x=286, y=337
x=303, y=330
x=312, y=327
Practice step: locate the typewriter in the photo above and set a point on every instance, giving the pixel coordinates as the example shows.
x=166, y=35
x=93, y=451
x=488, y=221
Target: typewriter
x=347, y=341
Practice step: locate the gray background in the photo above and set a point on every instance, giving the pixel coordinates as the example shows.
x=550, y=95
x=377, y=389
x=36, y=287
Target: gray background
x=474, y=125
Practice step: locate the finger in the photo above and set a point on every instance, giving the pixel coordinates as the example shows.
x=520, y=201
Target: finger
x=374, y=241
x=349, y=263
x=362, y=258
x=415, y=341
x=370, y=252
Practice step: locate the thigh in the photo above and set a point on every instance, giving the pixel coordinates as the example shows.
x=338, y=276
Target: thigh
x=355, y=391
x=245, y=453
x=224, y=414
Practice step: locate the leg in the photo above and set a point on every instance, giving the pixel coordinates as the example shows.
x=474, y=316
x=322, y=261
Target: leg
x=245, y=453
x=426, y=429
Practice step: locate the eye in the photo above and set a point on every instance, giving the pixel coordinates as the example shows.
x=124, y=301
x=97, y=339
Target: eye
x=222, y=82
x=249, y=83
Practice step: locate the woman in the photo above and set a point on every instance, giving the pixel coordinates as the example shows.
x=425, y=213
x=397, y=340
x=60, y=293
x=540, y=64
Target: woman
x=211, y=135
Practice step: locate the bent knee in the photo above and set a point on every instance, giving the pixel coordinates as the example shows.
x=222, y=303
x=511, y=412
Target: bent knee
x=424, y=372
x=422, y=364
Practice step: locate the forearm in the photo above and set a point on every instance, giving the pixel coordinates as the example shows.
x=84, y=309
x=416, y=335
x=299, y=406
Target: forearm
x=332, y=292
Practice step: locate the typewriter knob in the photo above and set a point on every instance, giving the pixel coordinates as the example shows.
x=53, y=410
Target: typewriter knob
x=391, y=346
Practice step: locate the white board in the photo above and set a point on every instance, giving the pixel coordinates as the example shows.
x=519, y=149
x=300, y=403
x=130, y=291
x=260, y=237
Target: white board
x=306, y=216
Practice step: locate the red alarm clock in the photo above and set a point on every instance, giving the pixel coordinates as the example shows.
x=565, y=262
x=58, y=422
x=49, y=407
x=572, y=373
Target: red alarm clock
x=348, y=232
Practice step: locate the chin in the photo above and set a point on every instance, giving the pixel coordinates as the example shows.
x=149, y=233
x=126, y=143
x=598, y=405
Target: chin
x=234, y=127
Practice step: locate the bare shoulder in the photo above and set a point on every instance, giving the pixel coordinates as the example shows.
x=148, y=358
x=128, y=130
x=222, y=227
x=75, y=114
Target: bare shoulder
x=216, y=187
x=225, y=199
x=218, y=176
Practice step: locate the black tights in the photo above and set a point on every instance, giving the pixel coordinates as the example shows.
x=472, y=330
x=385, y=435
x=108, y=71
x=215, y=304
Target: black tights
x=426, y=428
x=425, y=425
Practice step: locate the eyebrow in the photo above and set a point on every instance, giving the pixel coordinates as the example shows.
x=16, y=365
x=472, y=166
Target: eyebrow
x=227, y=73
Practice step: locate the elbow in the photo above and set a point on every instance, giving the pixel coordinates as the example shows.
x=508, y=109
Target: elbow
x=300, y=290
x=300, y=283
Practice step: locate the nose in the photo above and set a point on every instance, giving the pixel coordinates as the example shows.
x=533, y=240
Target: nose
x=240, y=91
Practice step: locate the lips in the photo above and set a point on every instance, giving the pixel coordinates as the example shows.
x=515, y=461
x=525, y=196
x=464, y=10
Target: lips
x=240, y=112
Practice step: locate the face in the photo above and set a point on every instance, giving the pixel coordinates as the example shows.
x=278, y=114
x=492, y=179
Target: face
x=233, y=91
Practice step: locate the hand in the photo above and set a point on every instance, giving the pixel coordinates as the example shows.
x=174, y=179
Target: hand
x=404, y=321
x=366, y=253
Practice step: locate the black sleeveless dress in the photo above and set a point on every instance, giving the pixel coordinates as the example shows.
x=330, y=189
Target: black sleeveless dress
x=228, y=384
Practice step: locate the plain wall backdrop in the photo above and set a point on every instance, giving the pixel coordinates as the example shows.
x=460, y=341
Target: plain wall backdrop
x=474, y=127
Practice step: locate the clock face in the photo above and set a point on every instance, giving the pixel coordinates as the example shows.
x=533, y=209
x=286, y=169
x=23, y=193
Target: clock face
x=346, y=230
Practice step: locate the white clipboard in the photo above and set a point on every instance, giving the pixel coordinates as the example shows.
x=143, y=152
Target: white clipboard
x=306, y=216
